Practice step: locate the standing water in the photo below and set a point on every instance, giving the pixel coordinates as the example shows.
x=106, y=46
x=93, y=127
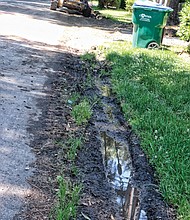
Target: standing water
x=118, y=166
x=116, y=156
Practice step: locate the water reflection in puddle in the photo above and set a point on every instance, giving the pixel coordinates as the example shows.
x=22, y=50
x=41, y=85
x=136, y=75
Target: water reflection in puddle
x=118, y=166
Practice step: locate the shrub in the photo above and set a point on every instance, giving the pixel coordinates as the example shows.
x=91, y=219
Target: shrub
x=109, y=4
x=184, y=29
x=129, y=4
x=117, y=3
x=123, y=4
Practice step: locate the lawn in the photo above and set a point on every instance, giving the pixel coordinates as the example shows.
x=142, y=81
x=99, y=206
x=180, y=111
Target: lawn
x=153, y=87
x=116, y=15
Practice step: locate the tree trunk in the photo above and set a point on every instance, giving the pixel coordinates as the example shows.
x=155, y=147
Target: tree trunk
x=174, y=17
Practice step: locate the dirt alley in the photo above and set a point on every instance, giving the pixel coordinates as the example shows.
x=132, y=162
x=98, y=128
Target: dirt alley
x=40, y=68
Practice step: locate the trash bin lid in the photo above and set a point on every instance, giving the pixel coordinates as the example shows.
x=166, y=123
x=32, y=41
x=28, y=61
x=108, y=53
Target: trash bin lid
x=151, y=5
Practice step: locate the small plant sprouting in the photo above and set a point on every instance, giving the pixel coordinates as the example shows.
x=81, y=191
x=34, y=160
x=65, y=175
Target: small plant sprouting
x=74, y=98
x=90, y=57
x=68, y=198
x=74, y=170
x=82, y=112
x=74, y=144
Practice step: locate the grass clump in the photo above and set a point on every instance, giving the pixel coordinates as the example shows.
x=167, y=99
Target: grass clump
x=90, y=57
x=74, y=145
x=68, y=198
x=154, y=89
x=82, y=112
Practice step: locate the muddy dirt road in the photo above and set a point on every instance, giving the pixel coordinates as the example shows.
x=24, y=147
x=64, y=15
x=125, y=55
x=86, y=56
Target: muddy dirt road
x=39, y=68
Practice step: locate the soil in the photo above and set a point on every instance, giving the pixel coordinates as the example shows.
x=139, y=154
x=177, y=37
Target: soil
x=98, y=198
x=57, y=51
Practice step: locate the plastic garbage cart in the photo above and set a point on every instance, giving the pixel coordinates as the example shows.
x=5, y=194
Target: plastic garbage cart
x=149, y=19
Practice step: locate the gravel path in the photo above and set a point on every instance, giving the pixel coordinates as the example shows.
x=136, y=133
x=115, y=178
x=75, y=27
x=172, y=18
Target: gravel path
x=21, y=83
x=22, y=78
x=19, y=87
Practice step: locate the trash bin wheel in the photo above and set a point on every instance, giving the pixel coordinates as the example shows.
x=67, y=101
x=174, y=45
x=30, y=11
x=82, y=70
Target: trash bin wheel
x=153, y=45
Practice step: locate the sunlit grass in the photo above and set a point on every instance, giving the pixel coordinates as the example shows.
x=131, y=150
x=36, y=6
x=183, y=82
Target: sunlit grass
x=116, y=15
x=68, y=198
x=82, y=112
x=154, y=90
x=68, y=194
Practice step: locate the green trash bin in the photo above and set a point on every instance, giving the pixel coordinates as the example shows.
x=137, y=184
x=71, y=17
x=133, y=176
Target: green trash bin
x=149, y=20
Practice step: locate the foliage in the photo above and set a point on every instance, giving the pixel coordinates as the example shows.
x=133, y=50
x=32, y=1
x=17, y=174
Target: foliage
x=109, y=4
x=74, y=144
x=184, y=30
x=123, y=4
x=118, y=4
x=129, y=4
x=82, y=112
x=68, y=197
x=90, y=57
x=153, y=88
x=116, y=15
x=115, y=3
x=73, y=98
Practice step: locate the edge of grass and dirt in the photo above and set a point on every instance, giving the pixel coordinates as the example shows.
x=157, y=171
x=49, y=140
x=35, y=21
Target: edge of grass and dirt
x=153, y=89
x=152, y=107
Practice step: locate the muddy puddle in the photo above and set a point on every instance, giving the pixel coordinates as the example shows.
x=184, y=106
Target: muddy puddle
x=118, y=166
x=117, y=159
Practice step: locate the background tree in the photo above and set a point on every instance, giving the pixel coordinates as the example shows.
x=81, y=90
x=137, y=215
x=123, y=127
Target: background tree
x=101, y=3
x=184, y=26
x=174, y=16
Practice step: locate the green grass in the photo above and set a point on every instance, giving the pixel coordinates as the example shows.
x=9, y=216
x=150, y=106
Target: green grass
x=73, y=98
x=82, y=112
x=114, y=14
x=117, y=15
x=154, y=90
x=73, y=145
x=68, y=198
x=68, y=194
x=90, y=57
